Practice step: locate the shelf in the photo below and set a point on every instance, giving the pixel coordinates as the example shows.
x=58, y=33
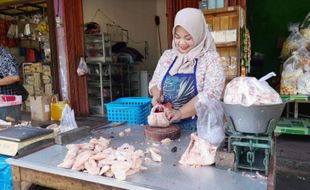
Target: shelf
x=228, y=44
x=221, y=10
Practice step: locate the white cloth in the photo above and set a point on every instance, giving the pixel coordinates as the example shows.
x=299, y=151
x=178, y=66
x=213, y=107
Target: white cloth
x=193, y=21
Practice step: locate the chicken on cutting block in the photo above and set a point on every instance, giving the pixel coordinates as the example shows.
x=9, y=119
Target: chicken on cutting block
x=157, y=117
x=198, y=153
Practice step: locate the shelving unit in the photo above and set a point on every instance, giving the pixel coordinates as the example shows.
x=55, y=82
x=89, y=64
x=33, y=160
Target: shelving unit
x=221, y=20
x=134, y=80
x=107, y=80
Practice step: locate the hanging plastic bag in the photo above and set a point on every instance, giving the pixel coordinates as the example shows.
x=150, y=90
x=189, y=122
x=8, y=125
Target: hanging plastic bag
x=12, y=31
x=67, y=122
x=210, y=124
x=294, y=41
x=249, y=91
x=82, y=68
x=305, y=27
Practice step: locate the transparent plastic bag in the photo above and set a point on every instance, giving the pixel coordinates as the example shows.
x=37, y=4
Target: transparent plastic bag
x=306, y=23
x=304, y=56
x=82, y=68
x=292, y=70
x=210, y=124
x=293, y=42
x=303, y=84
x=67, y=122
x=249, y=91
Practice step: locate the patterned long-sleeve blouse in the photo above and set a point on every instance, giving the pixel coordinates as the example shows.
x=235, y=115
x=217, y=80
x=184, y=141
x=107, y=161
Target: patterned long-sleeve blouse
x=209, y=74
x=8, y=67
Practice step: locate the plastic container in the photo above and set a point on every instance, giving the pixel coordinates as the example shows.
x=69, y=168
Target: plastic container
x=252, y=119
x=5, y=174
x=134, y=110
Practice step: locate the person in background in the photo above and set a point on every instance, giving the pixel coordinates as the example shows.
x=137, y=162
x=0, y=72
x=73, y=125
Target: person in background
x=191, y=69
x=9, y=72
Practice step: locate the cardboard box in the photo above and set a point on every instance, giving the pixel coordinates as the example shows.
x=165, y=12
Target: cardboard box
x=40, y=108
x=48, y=89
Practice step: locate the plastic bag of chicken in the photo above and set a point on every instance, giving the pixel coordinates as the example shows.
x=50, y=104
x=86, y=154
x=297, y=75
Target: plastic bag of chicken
x=249, y=91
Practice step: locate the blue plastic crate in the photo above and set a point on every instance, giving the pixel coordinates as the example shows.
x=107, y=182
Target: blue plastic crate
x=134, y=110
x=5, y=174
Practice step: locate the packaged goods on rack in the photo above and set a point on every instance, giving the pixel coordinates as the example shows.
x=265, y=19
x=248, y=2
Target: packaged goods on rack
x=294, y=80
x=294, y=41
x=305, y=27
x=292, y=70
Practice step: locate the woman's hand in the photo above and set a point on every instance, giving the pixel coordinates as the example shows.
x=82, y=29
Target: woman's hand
x=174, y=115
x=157, y=100
x=157, y=97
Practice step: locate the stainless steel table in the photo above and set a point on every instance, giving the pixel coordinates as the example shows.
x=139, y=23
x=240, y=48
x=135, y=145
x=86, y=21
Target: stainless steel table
x=41, y=168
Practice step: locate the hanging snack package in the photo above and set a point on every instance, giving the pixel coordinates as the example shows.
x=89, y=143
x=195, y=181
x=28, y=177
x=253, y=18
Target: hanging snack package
x=249, y=91
x=293, y=42
x=304, y=27
x=292, y=70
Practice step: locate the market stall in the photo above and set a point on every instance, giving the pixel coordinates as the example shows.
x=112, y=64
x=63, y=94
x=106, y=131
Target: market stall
x=41, y=168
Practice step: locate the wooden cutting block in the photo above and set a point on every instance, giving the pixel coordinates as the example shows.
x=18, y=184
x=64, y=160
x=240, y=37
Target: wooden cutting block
x=159, y=133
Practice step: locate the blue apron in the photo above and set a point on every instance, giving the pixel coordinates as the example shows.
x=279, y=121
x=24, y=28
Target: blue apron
x=178, y=90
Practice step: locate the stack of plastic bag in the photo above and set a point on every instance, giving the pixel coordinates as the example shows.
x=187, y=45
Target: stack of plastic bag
x=210, y=124
x=249, y=91
x=67, y=122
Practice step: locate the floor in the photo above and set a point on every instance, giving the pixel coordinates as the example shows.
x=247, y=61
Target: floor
x=292, y=167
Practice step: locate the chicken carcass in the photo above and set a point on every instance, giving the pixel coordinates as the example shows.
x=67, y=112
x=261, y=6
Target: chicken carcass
x=158, y=117
x=198, y=153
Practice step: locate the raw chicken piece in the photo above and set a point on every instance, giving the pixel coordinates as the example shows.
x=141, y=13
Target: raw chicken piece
x=69, y=160
x=128, y=130
x=120, y=168
x=198, y=153
x=158, y=117
x=92, y=167
x=166, y=141
x=156, y=157
x=104, y=169
x=121, y=134
x=81, y=159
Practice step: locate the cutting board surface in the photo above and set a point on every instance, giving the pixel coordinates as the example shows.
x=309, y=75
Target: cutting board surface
x=19, y=134
x=159, y=133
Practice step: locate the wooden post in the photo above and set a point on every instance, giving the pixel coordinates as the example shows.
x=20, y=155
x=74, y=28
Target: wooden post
x=16, y=178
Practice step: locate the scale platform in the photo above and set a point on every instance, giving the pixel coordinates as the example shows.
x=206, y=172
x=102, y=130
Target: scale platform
x=293, y=126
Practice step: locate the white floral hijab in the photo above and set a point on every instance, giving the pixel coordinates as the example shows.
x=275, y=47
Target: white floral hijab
x=193, y=21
